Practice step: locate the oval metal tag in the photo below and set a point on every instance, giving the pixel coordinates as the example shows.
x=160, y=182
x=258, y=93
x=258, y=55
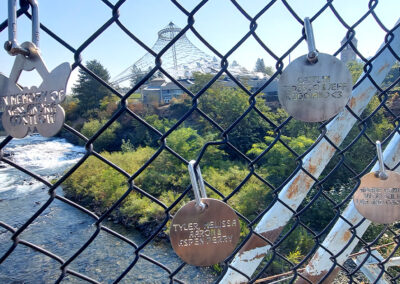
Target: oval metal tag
x=315, y=92
x=204, y=237
x=379, y=200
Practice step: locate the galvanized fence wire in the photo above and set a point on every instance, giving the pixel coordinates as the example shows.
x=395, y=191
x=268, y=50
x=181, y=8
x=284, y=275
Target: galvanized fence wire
x=237, y=268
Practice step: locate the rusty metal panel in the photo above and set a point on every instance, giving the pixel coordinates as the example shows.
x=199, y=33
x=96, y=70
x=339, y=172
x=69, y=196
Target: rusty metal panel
x=272, y=222
x=369, y=268
x=340, y=234
x=394, y=261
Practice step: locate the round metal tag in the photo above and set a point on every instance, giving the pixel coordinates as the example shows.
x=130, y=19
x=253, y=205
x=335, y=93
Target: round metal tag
x=204, y=237
x=379, y=200
x=315, y=92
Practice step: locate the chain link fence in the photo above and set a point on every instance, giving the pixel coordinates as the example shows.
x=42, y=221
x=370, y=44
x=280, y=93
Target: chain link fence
x=312, y=198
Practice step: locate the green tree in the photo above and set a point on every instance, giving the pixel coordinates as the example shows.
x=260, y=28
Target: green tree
x=260, y=67
x=107, y=140
x=200, y=81
x=225, y=105
x=88, y=90
x=269, y=70
x=278, y=163
x=392, y=76
x=137, y=74
x=356, y=69
x=70, y=106
x=179, y=106
x=186, y=142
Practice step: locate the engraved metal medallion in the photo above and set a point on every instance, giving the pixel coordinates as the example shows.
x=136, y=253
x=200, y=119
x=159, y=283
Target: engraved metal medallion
x=33, y=109
x=315, y=92
x=377, y=199
x=203, y=237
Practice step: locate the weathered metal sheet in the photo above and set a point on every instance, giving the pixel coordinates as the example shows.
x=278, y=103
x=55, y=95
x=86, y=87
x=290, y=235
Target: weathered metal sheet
x=340, y=234
x=273, y=221
x=394, y=261
x=369, y=268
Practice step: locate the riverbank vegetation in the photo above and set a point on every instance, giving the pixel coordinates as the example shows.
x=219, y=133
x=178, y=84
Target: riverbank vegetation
x=129, y=144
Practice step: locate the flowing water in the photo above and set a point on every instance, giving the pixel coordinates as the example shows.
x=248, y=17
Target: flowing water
x=62, y=229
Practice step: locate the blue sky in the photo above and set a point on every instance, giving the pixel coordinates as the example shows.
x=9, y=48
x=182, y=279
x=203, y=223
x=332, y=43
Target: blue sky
x=218, y=21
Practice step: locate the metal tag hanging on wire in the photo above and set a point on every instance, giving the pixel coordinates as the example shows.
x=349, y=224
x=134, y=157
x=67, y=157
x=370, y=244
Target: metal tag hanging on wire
x=31, y=109
x=378, y=196
x=204, y=231
x=314, y=87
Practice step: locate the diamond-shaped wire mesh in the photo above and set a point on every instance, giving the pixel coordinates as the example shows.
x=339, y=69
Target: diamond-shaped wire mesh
x=305, y=183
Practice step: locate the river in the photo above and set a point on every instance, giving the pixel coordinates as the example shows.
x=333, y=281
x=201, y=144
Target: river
x=62, y=229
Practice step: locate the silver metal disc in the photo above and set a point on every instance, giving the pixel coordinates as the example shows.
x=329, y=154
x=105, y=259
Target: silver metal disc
x=315, y=92
x=379, y=200
x=204, y=237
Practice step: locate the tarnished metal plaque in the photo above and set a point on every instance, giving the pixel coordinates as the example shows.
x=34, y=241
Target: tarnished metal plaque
x=204, y=237
x=315, y=92
x=34, y=109
x=379, y=200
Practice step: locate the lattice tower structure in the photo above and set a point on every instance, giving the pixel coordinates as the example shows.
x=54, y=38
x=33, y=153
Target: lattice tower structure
x=179, y=60
x=348, y=54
